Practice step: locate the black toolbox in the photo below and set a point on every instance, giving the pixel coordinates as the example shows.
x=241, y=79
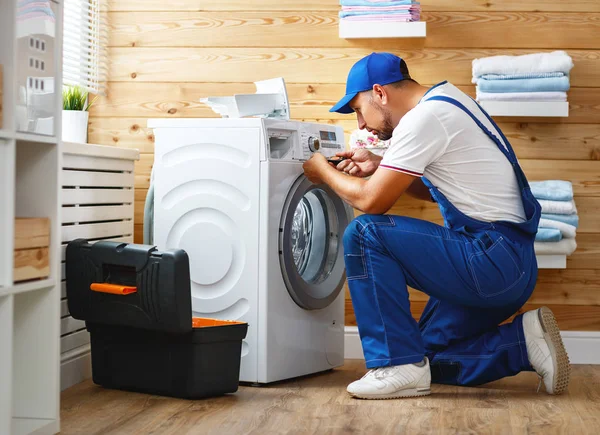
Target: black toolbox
x=136, y=304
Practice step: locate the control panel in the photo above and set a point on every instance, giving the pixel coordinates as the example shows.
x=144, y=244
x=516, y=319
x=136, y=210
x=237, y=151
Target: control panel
x=300, y=140
x=324, y=139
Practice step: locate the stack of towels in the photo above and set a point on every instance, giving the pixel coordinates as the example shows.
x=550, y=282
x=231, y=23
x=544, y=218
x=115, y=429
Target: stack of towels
x=30, y=9
x=559, y=220
x=380, y=10
x=530, y=77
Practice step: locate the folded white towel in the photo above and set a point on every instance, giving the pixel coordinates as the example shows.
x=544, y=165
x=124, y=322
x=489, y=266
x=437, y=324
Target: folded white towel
x=556, y=61
x=567, y=231
x=520, y=96
x=558, y=207
x=564, y=247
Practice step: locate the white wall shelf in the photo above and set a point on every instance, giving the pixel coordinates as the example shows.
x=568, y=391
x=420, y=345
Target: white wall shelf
x=382, y=29
x=30, y=181
x=6, y=134
x=29, y=137
x=552, y=261
x=28, y=286
x=526, y=108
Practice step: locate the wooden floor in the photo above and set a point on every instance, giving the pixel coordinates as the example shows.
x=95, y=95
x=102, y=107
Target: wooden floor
x=319, y=404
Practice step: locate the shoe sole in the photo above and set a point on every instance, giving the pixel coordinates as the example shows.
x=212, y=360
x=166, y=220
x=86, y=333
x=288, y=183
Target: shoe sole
x=558, y=353
x=413, y=392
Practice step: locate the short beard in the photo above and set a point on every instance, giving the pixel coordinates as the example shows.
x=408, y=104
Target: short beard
x=387, y=129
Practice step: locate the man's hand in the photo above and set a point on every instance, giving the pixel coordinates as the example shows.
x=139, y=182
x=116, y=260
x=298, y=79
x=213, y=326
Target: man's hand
x=314, y=167
x=360, y=163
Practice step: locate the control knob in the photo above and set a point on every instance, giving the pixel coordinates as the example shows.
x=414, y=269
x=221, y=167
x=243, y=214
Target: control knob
x=313, y=144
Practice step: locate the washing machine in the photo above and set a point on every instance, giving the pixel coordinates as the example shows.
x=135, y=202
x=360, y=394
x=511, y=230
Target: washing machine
x=264, y=243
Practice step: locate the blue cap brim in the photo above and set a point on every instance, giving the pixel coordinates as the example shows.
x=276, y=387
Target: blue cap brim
x=342, y=105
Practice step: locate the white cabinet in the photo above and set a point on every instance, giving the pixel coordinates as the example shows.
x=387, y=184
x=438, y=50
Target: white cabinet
x=29, y=187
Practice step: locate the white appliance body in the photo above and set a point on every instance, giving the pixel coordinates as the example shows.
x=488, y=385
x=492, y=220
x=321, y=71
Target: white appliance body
x=265, y=245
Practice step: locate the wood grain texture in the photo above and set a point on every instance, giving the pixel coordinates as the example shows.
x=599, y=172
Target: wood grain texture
x=306, y=102
x=31, y=264
x=333, y=5
x=319, y=404
x=313, y=101
x=32, y=233
x=566, y=30
x=309, y=65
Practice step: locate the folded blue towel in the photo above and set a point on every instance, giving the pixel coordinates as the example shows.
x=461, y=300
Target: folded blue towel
x=548, y=235
x=406, y=13
x=571, y=219
x=376, y=4
x=553, y=190
x=30, y=9
x=551, y=84
x=521, y=76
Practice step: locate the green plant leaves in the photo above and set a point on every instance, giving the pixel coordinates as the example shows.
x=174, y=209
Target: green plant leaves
x=75, y=97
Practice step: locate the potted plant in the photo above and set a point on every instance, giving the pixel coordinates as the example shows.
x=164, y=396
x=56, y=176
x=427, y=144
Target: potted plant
x=75, y=114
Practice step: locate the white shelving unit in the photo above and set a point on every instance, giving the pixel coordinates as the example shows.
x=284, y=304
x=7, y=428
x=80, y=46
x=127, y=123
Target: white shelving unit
x=552, y=261
x=526, y=108
x=382, y=29
x=95, y=215
x=29, y=176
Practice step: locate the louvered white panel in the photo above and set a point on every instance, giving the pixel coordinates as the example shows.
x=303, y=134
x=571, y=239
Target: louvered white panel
x=74, y=340
x=97, y=179
x=96, y=213
x=64, y=309
x=69, y=324
x=95, y=231
x=72, y=161
x=97, y=196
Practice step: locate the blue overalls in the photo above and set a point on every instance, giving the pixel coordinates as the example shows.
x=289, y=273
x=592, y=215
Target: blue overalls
x=476, y=273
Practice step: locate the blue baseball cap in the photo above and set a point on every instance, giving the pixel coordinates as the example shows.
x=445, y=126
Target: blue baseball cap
x=376, y=68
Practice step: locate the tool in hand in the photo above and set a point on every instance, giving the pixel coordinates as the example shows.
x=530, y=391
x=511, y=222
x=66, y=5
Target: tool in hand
x=336, y=160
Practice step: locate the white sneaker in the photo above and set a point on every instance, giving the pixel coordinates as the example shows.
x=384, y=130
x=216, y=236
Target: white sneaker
x=406, y=380
x=545, y=349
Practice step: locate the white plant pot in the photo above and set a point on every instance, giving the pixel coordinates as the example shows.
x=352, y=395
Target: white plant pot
x=74, y=126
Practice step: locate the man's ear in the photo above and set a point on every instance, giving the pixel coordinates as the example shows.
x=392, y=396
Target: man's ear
x=380, y=94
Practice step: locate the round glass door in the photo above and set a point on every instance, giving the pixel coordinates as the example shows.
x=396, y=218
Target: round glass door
x=310, y=244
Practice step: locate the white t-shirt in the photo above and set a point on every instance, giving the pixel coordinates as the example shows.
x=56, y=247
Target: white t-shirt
x=441, y=142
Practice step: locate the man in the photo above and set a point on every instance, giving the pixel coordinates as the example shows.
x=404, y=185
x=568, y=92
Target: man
x=478, y=270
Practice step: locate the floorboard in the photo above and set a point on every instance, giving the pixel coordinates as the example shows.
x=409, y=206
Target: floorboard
x=319, y=404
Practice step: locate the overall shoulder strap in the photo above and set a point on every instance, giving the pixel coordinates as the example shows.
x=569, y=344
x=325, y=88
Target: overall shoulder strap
x=505, y=148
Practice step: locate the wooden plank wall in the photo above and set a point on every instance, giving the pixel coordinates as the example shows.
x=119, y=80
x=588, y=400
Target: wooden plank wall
x=165, y=55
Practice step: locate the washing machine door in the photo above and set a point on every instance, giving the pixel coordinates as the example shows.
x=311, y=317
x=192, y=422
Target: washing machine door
x=310, y=244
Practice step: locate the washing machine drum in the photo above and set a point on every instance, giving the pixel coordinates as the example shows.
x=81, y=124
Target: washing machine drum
x=310, y=244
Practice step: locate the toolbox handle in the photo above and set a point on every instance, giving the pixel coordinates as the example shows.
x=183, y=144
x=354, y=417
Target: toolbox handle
x=114, y=289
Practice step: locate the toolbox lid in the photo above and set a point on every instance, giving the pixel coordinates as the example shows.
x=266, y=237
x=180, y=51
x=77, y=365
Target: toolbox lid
x=129, y=285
